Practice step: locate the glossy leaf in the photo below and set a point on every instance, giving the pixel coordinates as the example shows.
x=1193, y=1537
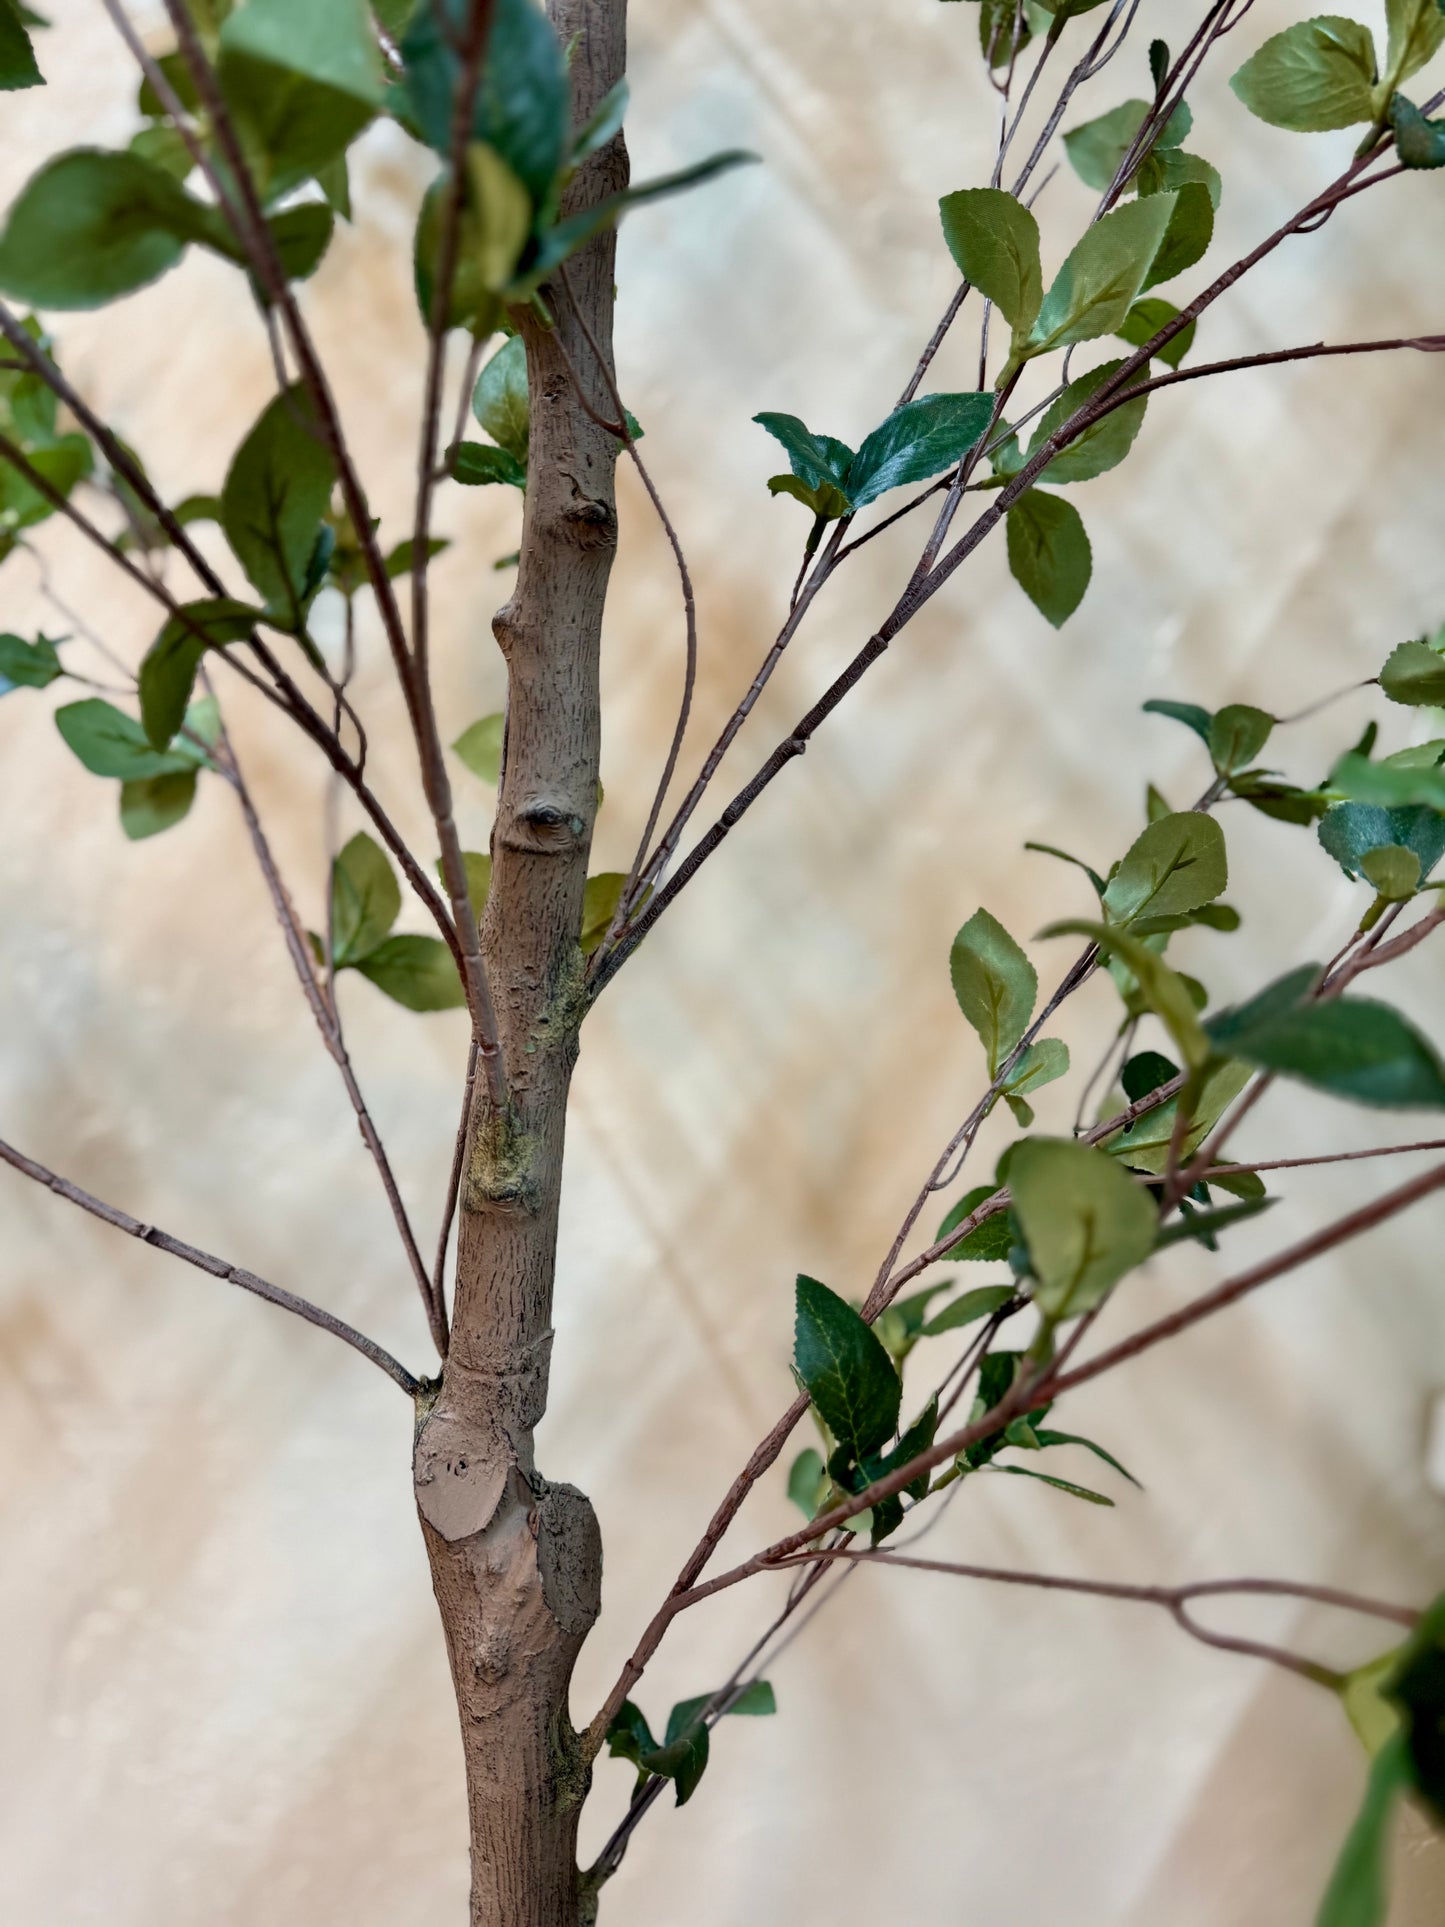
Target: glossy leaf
x=918, y=441
x=1316, y=75
x=1350, y=831
x=1085, y=1220
x=819, y=461
x=1049, y=554
x=848, y=1374
x=995, y=985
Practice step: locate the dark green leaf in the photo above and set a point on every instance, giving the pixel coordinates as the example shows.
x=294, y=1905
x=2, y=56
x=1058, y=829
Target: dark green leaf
x=1417, y=1690
x=168, y=669
x=1145, y=320
x=301, y=236
x=1351, y=1047
x=1202, y=1225
x=1190, y=714
x=988, y=1241
x=629, y=1735
x=1085, y=1220
x=1350, y=831
x=1046, y=1439
x=995, y=985
x=1176, y=865
x=61, y=463
x=1049, y=554
x=365, y=900
x=418, y=972
x=27, y=665
x=559, y=243
x=91, y=226
x=918, y=441
x=1395, y=782
x=1188, y=235
x=277, y=492
x=478, y=463
x=402, y=559
x=1147, y=1144
x=151, y=804
x=848, y=1374
x=523, y=103
x=17, y=56
x=1050, y=849
x=756, y=1701
x=1419, y=142
x=1145, y=1072
x=819, y=461
x=1316, y=75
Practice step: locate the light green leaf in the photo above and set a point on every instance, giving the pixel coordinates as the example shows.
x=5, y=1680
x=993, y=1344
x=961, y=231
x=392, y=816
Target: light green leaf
x=1414, y=673
x=806, y=1482
x=168, y=669
x=1096, y=150
x=276, y=494
x=499, y=401
x=1049, y=554
x=1415, y=29
x=600, y=898
x=848, y=1374
x=151, y=804
x=301, y=83
x=1176, y=865
x=1358, y=1893
x=91, y=226
x=1145, y=1146
x=982, y=1302
x=918, y=441
x=1102, y=277
x=365, y=900
x=418, y=972
x=1318, y=74
x=1040, y=1064
x=1086, y=1222
x=995, y=985
x=1393, y=870
x=995, y=242
x=1392, y=784
x=480, y=747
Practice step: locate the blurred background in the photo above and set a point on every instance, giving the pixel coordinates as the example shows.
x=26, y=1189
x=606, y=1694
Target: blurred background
x=223, y=1694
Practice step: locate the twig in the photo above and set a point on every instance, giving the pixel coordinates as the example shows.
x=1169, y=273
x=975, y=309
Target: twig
x=216, y=1267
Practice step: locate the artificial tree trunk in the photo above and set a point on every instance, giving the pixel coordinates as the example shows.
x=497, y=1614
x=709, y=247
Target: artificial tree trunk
x=517, y=1561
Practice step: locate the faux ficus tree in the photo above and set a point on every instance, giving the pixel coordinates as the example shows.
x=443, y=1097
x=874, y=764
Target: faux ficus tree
x=910, y=1386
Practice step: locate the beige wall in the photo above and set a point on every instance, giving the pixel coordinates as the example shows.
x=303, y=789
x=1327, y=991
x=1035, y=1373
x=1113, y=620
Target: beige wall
x=222, y=1695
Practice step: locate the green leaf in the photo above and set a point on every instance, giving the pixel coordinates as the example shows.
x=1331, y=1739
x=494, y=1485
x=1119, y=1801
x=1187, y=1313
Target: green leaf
x=524, y=100
x=600, y=897
x=1190, y=714
x=1415, y=31
x=682, y=1758
x=558, y=244
x=1202, y=1225
x=1085, y=1220
x=499, y=401
x=110, y=743
x=1237, y=734
x=1414, y=673
x=418, y=972
x=17, y=56
x=1393, y=870
x=848, y=1374
x=1351, y=1047
x=987, y=1241
x=1145, y=1146
x=27, y=665
x=300, y=82
x=301, y=236
x=1350, y=831
x=1164, y=991
x=276, y=493
x=995, y=242
x=478, y=867
x=1042, y=1063
x=494, y=224
x=402, y=559
x=1049, y=554
x=1358, y=1893
x=1104, y=444
x=480, y=747
x=1176, y=865
x=365, y=900
x=1316, y=75
x=1188, y=235
x=1047, y=1438
x=1059, y=1485
x=62, y=464
x=918, y=441
x=1145, y=1072
x=1391, y=783
x=819, y=461
x=478, y=463
x=91, y=226
x=756, y=1701
x=1417, y=1689
x=168, y=669
x=1099, y=282
x=155, y=803
x=995, y=985
x=1052, y=849
x=982, y=1302
x=629, y=1736
x=1096, y=150
x=1418, y=142
x=602, y=125
x=806, y=1481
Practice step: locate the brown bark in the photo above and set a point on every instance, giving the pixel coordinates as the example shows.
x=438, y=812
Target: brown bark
x=516, y=1561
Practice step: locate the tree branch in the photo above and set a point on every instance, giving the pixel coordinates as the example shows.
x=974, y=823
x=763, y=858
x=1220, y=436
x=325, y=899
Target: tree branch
x=216, y=1267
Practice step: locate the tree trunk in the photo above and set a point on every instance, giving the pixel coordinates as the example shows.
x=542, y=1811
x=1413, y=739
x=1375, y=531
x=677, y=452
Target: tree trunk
x=517, y=1562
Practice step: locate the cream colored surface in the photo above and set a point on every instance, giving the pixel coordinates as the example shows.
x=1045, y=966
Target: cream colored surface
x=222, y=1690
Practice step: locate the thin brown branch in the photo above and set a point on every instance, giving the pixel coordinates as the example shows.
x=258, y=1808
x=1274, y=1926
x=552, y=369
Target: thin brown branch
x=215, y=1267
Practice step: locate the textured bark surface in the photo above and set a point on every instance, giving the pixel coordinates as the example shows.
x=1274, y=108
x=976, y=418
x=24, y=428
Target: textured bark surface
x=517, y=1562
